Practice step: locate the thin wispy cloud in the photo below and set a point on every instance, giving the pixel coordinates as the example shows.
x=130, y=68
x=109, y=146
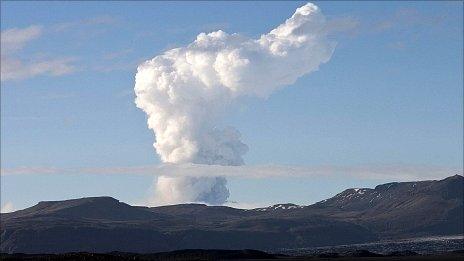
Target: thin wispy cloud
x=119, y=65
x=30, y=170
x=398, y=45
x=407, y=23
x=15, y=68
x=407, y=18
x=117, y=54
x=93, y=21
x=366, y=172
x=15, y=40
x=343, y=24
x=119, y=60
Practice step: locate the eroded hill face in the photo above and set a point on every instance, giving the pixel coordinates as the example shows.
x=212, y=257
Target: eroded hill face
x=104, y=224
x=406, y=209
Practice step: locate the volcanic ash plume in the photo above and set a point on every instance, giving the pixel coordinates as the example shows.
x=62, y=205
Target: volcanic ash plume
x=185, y=90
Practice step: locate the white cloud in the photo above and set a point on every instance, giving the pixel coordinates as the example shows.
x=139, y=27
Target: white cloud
x=7, y=207
x=31, y=170
x=185, y=90
x=181, y=183
x=93, y=21
x=174, y=190
x=405, y=18
x=343, y=24
x=367, y=172
x=18, y=67
x=15, y=38
x=398, y=172
x=15, y=68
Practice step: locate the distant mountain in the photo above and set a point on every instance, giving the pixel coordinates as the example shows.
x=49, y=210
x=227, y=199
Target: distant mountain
x=103, y=224
x=403, y=209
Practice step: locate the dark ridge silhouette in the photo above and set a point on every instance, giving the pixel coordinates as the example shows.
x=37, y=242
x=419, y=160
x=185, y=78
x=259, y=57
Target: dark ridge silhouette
x=103, y=224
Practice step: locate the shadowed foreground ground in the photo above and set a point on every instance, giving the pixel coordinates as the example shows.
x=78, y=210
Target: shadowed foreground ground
x=198, y=254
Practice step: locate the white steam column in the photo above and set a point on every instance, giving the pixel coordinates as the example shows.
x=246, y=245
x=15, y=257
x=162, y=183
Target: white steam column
x=185, y=90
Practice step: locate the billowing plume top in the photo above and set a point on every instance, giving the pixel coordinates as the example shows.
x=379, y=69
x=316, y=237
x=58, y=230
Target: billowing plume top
x=184, y=90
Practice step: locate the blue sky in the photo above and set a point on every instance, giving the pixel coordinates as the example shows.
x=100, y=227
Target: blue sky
x=390, y=97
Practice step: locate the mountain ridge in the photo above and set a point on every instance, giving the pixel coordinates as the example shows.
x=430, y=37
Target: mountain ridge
x=104, y=224
x=109, y=198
